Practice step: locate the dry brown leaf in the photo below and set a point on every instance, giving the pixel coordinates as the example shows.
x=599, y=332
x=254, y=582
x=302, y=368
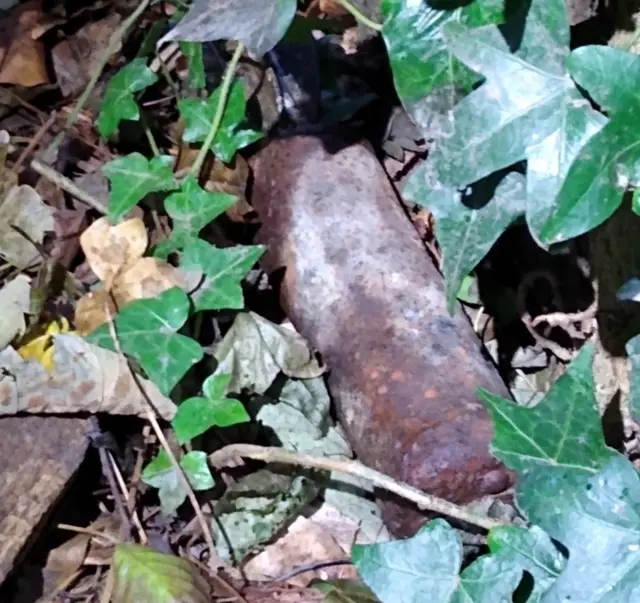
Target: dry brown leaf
x=110, y=249
x=84, y=378
x=82, y=549
x=76, y=58
x=331, y=8
x=148, y=277
x=115, y=255
x=22, y=60
x=305, y=542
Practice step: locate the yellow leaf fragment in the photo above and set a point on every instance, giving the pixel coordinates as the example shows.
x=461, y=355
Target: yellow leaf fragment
x=41, y=348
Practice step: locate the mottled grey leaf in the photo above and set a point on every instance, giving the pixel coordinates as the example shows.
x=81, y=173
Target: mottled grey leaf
x=258, y=24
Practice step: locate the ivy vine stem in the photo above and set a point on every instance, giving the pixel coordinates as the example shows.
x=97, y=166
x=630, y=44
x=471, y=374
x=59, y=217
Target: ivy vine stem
x=225, y=88
x=359, y=16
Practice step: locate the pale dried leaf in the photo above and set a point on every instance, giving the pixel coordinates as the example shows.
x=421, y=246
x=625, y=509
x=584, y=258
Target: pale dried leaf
x=148, y=277
x=255, y=350
x=23, y=207
x=14, y=304
x=110, y=249
x=304, y=542
x=84, y=378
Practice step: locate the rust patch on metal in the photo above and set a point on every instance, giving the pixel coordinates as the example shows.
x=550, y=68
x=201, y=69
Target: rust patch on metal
x=360, y=287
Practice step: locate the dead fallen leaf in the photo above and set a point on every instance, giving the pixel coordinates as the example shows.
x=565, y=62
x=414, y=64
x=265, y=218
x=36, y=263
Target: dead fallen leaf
x=14, y=304
x=254, y=350
x=23, y=207
x=111, y=249
x=83, y=549
x=305, y=542
x=115, y=256
x=22, y=60
x=331, y=8
x=84, y=378
x=76, y=58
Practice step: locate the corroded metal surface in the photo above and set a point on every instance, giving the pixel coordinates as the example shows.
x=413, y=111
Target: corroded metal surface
x=360, y=287
x=38, y=457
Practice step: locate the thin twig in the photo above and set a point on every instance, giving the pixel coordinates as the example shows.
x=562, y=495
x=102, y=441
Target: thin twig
x=421, y=499
x=88, y=532
x=560, y=319
x=225, y=88
x=67, y=185
x=359, y=16
x=132, y=513
x=184, y=482
x=34, y=142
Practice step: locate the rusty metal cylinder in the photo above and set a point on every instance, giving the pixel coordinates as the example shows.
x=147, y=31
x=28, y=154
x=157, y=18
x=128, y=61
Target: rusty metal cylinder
x=360, y=287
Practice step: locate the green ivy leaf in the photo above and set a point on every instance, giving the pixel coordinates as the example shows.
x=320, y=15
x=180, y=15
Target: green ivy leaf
x=197, y=415
x=198, y=115
x=345, y=591
x=428, y=79
x=146, y=330
x=562, y=432
x=225, y=269
x=132, y=177
x=467, y=225
x=195, y=67
x=118, y=102
x=191, y=209
x=598, y=521
x=533, y=551
x=607, y=164
x=528, y=108
x=160, y=474
x=142, y=574
x=258, y=24
x=426, y=567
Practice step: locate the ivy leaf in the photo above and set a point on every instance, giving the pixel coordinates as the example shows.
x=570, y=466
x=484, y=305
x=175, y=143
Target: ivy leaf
x=633, y=352
x=426, y=567
x=197, y=415
x=225, y=269
x=142, y=574
x=607, y=164
x=345, y=591
x=428, y=79
x=467, y=225
x=562, y=432
x=118, y=102
x=191, y=209
x=528, y=108
x=258, y=24
x=160, y=474
x=132, y=177
x=598, y=521
x=198, y=115
x=146, y=330
x=195, y=67
x=533, y=551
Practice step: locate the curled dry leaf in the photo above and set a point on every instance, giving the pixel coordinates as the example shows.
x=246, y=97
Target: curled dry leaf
x=77, y=57
x=84, y=378
x=255, y=350
x=115, y=255
x=14, y=304
x=22, y=60
x=23, y=207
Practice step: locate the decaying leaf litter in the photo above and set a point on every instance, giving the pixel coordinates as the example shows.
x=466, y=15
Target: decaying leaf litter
x=133, y=287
